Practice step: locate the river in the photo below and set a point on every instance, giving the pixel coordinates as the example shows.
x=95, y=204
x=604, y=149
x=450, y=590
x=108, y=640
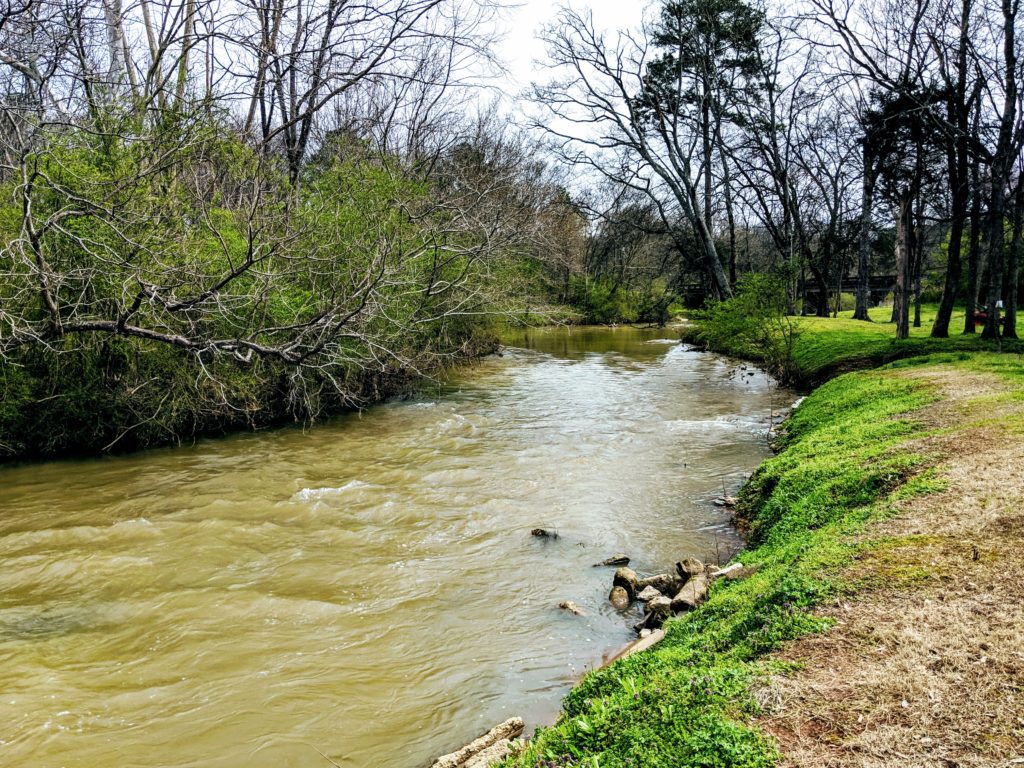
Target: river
x=365, y=592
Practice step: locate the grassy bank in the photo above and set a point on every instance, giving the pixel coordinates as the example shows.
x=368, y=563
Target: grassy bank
x=864, y=450
x=825, y=347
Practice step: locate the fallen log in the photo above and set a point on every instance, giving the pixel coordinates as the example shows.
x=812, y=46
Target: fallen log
x=571, y=607
x=490, y=756
x=640, y=645
x=727, y=571
x=614, y=560
x=507, y=730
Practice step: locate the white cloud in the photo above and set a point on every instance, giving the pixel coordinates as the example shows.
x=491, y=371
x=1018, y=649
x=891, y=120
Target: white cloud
x=521, y=49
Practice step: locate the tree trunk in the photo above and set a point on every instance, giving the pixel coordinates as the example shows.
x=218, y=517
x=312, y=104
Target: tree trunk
x=705, y=120
x=713, y=269
x=118, y=69
x=904, y=246
x=974, y=260
x=821, y=297
x=1002, y=166
x=918, y=265
x=958, y=113
x=954, y=270
x=840, y=272
x=719, y=280
x=187, y=41
x=1013, y=265
x=864, y=246
x=996, y=254
x=730, y=218
x=801, y=289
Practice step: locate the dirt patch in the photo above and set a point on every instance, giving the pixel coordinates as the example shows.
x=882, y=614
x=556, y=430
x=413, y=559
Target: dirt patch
x=926, y=666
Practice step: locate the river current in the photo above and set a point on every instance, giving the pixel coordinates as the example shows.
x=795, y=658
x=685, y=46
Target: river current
x=364, y=592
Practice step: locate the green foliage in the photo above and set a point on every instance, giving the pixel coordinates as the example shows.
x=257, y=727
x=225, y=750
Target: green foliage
x=753, y=324
x=605, y=301
x=179, y=210
x=821, y=347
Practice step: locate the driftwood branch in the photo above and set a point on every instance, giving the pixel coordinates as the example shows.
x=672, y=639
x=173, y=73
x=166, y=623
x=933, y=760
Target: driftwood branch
x=480, y=752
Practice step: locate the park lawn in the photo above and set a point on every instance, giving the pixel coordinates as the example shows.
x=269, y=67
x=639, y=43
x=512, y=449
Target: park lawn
x=824, y=347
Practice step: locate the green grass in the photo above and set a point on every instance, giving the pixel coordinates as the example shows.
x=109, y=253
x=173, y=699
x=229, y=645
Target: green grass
x=825, y=345
x=688, y=701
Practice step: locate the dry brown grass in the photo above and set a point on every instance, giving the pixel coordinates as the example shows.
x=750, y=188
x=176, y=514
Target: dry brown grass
x=926, y=666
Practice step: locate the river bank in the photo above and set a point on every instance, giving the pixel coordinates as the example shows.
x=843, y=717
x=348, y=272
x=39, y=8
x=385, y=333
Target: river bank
x=826, y=347
x=881, y=539
x=136, y=395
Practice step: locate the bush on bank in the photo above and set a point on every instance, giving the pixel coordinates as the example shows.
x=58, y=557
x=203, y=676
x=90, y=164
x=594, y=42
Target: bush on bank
x=604, y=301
x=358, y=236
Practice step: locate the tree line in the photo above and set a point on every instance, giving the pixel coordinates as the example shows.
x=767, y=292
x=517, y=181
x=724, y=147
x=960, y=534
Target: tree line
x=817, y=141
x=223, y=213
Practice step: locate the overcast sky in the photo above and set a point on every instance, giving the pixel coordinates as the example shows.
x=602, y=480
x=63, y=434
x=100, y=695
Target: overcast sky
x=521, y=48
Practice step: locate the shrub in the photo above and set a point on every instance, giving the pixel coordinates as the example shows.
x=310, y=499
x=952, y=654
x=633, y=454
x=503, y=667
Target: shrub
x=847, y=302
x=754, y=323
x=604, y=300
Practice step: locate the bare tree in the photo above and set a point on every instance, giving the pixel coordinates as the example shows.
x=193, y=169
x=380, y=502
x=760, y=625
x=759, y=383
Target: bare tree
x=305, y=54
x=1004, y=93
x=599, y=119
x=139, y=210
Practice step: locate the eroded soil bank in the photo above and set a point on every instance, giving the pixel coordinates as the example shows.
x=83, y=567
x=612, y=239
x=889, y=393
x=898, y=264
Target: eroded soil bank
x=924, y=664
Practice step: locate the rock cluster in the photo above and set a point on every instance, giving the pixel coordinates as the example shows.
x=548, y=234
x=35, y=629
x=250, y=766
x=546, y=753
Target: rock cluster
x=663, y=594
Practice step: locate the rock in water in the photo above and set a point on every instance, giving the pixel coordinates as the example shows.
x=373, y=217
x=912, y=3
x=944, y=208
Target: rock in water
x=492, y=755
x=660, y=605
x=626, y=578
x=689, y=568
x=477, y=748
x=691, y=595
x=571, y=607
x=543, y=533
x=647, y=594
x=666, y=583
x=619, y=598
x=614, y=560
x=658, y=610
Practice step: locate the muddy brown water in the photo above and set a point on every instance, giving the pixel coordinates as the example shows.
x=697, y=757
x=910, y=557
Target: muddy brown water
x=364, y=592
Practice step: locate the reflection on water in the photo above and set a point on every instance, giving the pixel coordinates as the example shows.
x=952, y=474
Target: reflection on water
x=367, y=589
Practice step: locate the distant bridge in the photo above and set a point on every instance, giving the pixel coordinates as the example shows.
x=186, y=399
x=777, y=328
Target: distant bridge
x=880, y=286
